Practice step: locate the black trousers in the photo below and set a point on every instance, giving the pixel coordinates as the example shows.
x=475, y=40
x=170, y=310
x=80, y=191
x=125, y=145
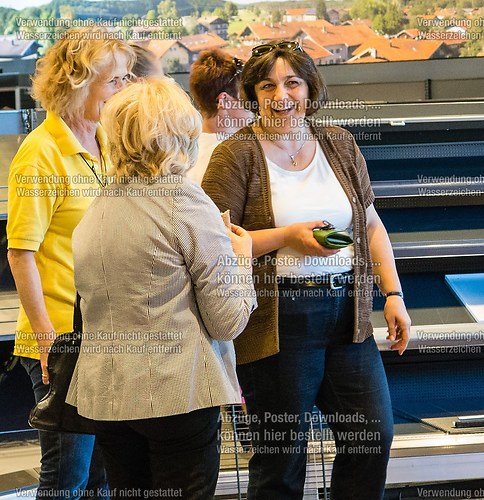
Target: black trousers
x=166, y=457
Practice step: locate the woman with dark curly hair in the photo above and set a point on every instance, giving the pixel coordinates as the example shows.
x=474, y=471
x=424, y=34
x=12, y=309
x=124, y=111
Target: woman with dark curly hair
x=310, y=341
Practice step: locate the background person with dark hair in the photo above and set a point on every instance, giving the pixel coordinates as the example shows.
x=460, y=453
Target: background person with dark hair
x=146, y=63
x=214, y=85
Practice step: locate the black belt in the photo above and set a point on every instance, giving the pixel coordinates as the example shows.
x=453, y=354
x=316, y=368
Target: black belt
x=333, y=281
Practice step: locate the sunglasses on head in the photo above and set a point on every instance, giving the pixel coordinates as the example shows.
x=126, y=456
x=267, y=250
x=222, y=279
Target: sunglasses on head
x=239, y=66
x=260, y=50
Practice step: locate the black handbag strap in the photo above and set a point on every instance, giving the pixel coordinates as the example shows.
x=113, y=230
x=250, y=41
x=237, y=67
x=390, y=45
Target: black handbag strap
x=77, y=328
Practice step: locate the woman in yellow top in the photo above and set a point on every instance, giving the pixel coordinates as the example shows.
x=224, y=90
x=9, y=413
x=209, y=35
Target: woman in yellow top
x=55, y=175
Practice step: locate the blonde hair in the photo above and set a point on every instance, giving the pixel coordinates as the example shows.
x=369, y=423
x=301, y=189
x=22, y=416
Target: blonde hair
x=63, y=76
x=152, y=128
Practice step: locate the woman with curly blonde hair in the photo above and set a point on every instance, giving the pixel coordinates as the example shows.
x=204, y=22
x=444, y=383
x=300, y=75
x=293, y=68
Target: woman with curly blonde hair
x=56, y=173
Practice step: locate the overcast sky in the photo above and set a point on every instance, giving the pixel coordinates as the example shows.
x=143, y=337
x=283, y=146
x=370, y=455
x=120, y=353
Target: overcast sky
x=21, y=4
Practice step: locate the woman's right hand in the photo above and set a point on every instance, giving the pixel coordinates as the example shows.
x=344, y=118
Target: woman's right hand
x=44, y=346
x=29, y=288
x=241, y=241
x=299, y=236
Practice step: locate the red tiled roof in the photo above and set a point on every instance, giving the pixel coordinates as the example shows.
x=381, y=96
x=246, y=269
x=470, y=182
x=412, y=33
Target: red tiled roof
x=358, y=22
x=317, y=23
x=243, y=52
x=315, y=51
x=203, y=41
x=446, y=13
x=319, y=34
x=396, y=49
x=411, y=33
x=209, y=19
x=340, y=35
x=277, y=31
x=160, y=47
x=281, y=31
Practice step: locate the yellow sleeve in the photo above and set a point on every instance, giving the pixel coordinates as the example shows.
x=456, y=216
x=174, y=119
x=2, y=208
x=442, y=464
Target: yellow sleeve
x=32, y=198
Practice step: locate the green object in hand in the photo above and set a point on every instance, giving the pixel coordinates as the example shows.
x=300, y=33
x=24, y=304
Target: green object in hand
x=330, y=237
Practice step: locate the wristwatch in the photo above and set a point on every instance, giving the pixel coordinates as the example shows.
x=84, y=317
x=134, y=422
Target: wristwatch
x=389, y=294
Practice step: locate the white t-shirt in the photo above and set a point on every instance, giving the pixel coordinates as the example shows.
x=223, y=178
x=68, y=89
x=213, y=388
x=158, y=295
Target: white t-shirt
x=206, y=144
x=310, y=194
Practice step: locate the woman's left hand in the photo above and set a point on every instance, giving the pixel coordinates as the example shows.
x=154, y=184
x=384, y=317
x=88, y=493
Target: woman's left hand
x=241, y=241
x=398, y=322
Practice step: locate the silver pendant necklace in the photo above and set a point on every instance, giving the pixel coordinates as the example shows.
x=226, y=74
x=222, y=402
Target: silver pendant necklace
x=293, y=155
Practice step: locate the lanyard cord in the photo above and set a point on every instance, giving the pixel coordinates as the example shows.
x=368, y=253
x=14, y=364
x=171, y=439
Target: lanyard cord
x=93, y=170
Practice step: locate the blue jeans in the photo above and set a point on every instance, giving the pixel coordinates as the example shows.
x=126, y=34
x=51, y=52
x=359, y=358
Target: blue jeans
x=318, y=364
x=71, y=464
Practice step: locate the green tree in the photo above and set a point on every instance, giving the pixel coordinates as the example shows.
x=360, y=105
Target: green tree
x=167, y=10
x=32, y=13
x=219, y=12
x=173, y=66
x=378, y=24
x=321, y=10
x=277, y=15
x=197, y=6
x=67, y=12
x=231, y=9
x=393, y=19
x=474, y=45
x=192, y=29
x=47, y=13
x=7, y=20
x=151, y=15
x=419, y=9
x=471, y=49
x=387, y=16
x=367, y=9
